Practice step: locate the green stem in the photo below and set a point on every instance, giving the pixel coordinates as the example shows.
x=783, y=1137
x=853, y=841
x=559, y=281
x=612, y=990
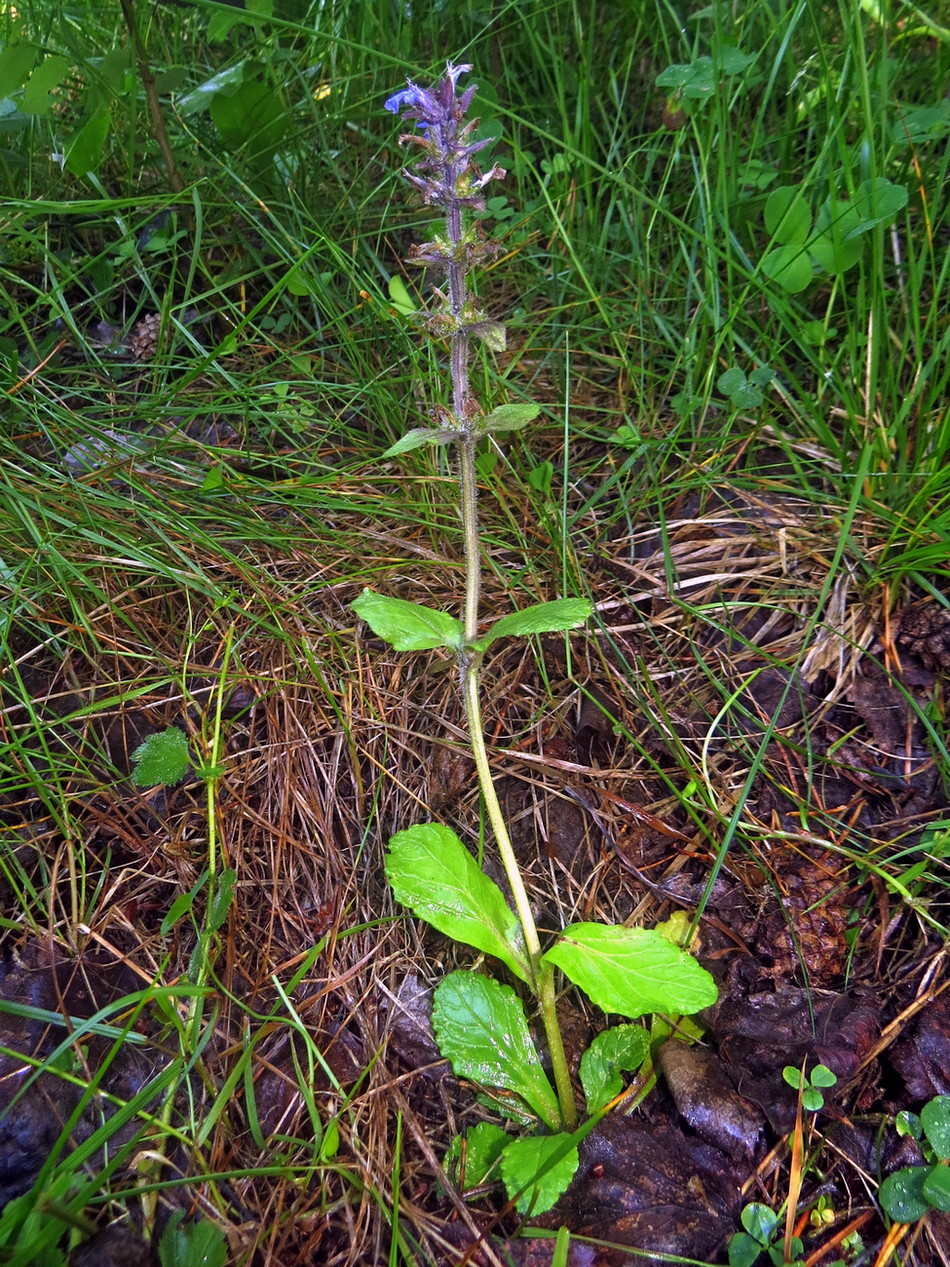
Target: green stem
x=542, y=982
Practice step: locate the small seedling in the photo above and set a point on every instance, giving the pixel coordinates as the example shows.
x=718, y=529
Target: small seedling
x=745, y=392
x=762, y=1235
x=811, y=1086
x=480, y=1022
x=910, y=1193
x=698, y=80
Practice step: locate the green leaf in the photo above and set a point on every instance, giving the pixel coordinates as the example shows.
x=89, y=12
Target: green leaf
x=177, y=911
x=625, y=1047
x=182, y=904
x=253, y=120
x=747, y=397
x=760, y=1221
x=431, y=872
x=743, y=1250
x=521, y=1163
x=562, y=613
x=902, y=1194
x=935, y=838
x=632, y=970
x=790, y=266
x=214, y=479
x=481, y=1028
x=822, y=1076
x=788, y=216
x=562, y=1248
x=696, y=80
x=408, y=626
x=400, y=298
x=187, y=1244
x=330, y=1144
x=936, y=1188
x=84, y=152
x=16, y=62
x=485, y=463
x=926, y=123
x=730, y=60
x=907, y=1123
x=222, y=22
x=419, y=437
x=878, y=201
x=221, y=899
x=935, y=1119
x=731, y=381
x=814, y=334
x=834, y=254
x=162, y=758
x=682, y=404
x=483, y=1145
x=676, y=76
x=50, y=73
x=541, y=477
x=491, y=333
x=228, y=80
x=508, y=418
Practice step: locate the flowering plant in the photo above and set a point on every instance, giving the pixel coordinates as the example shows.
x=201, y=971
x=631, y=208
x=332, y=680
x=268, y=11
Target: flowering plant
x=479, y=1022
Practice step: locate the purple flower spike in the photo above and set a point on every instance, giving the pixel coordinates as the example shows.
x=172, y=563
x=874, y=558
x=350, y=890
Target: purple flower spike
x=446, y=176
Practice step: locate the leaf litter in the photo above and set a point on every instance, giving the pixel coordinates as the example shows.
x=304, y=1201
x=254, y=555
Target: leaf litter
x=714, y=691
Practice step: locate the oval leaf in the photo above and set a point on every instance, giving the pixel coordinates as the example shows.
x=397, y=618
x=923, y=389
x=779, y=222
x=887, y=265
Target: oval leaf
x=747, y=397
x=836, y=256
x=399, y=296
x=162, y=758
x=935, y=1119
x=481, y=1028
x=491, y=333
x=419, y=437
x=221, y=899
x=878, y=201
x=408, y=626
x=936, y=1188
x=533, y=1168
x=431, y=872
x=788, y=216
x=789, y=266
x=625, y=1047
x=508, y=418
x=563, y=613
x=483, y=1145
x=632, y=970
x=902, y=1194
x=731, y=381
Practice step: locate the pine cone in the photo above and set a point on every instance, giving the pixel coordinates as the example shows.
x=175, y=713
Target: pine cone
x=924, y=632
x=143, y=341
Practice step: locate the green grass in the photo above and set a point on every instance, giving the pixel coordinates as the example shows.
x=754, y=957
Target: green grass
x=213, y=542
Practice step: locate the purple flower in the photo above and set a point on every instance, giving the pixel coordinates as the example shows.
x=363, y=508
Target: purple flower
x=411, y=96
x=437, y=106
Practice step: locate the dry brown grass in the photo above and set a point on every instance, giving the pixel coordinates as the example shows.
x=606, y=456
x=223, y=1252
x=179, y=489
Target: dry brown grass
x=619, y=769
